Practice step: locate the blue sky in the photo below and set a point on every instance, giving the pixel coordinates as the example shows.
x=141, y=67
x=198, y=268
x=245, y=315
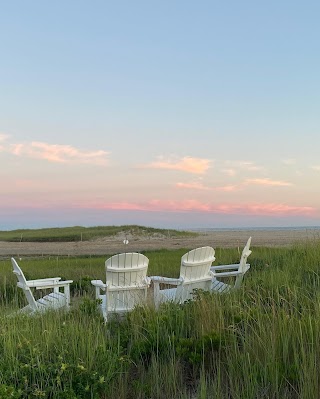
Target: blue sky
x=172, y=114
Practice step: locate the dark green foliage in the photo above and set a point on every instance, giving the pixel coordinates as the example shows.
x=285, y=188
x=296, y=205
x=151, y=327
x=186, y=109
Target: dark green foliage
x=82, y=286
x=7, y=392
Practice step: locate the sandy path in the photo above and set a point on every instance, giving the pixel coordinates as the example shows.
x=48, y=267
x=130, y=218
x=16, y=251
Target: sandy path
x=226, y=238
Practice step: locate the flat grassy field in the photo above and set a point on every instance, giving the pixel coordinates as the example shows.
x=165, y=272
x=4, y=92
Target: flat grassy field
x=262, y=341
x=80, y=233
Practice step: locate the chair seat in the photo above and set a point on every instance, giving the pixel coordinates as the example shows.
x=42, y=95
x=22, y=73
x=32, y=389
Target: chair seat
x=53, y=300
x=219, y=286
x=167, y=294
x=121, y=306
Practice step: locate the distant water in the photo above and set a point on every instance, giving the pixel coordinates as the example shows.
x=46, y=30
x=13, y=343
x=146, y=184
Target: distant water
x=211, y=229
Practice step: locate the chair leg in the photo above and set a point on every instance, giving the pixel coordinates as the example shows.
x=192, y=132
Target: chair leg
x=156, y=293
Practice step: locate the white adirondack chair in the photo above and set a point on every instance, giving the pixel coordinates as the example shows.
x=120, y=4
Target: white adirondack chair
x=126, y=283
x=194, y=274
x=234, y=270
x=54, y=300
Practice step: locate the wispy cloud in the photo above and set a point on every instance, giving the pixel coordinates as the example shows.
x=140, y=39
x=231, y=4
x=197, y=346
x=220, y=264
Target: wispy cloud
x=249, y=165
x=232, y=168
x=267, y=182
x=3, y=138
x=58, y=153
x=202, y=187
x=193, y=186
x=244, y=165
x=185, y=164
x=155, y=205
x=229, y=187
x=229, y=172
x=316, y=167
x=289, y=161
x=234, y=187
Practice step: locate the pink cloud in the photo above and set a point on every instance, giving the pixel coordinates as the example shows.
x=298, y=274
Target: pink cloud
x=58, y=153
x=3, y=138
x=155, y=205
x=185, y=164
x=28, y=184
x=267, y=182
x=228, y=188
x=198, y=206
x=229, y=172
x=249, y=165
x=202, y=187
x=193, y=186
x=233, y=166
x=289, y=161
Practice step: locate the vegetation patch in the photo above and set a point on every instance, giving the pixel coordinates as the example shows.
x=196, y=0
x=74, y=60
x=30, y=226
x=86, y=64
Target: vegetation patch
x=259, y=342
x=80, y=233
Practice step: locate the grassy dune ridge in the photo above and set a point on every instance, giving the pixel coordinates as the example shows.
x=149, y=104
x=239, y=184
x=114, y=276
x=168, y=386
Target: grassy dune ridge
x=80, y=233
x=262, y=341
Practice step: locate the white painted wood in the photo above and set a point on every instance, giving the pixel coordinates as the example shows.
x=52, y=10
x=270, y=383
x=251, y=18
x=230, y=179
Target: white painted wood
x=126, y=283
x=235, y=270
x=195, y=273
x=53, y=300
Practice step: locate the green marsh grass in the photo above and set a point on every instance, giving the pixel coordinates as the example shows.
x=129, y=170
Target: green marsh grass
x=262, y=341
x=80, y=233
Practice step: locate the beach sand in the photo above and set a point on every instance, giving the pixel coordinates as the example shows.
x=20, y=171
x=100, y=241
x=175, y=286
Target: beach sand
x=111, y=245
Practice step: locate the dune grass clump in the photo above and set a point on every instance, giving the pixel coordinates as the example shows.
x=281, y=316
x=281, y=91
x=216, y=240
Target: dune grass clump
x=262, y=341
x=81, y=233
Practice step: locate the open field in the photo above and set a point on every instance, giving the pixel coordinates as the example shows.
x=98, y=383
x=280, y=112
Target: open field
x=155, y=241
x=262, y=341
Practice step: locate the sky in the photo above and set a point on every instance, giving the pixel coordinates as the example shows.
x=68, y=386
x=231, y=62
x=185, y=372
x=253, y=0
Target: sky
x=172, y=114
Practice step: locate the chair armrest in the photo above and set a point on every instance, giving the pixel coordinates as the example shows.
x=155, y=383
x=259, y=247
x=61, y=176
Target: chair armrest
x=231, y=274
x=228, y=274
x=99, y=285
x=48, y=284
x=157, y=280
x=167, y=280
x=34, y=283
x=147, y=280
x=225, y=267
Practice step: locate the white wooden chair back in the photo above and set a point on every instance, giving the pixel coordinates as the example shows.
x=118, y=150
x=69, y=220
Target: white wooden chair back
x=243, y=266
x=126, y=278
x=195, y=272
x=22, y=283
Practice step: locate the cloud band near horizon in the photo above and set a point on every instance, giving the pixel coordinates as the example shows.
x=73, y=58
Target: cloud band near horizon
x=259, y=209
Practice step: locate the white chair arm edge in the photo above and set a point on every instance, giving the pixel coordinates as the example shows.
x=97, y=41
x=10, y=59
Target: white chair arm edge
x=167, y=280
x=44, y=285
x=225, y=267
x=147, y=280
x=228, y=274
x=99, y=283
x=52, y=280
